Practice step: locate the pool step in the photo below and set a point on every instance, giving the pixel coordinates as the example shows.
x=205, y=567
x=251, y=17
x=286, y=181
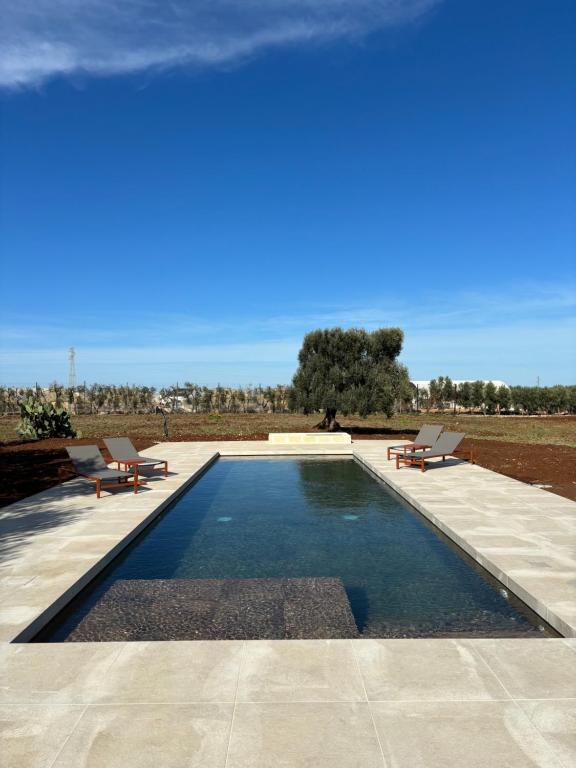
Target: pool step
x=219, y=609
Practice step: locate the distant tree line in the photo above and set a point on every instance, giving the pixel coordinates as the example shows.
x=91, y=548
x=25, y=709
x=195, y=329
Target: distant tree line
x=110, y=398
x=250, y=399
x=443, y=393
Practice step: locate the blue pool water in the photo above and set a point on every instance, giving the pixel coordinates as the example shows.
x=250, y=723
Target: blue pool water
x=271, y=518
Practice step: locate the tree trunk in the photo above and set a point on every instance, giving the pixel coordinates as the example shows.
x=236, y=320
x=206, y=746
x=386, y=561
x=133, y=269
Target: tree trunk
x=329, y=422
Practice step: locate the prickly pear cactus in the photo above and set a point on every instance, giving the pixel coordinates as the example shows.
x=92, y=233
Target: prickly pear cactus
x=40, y=420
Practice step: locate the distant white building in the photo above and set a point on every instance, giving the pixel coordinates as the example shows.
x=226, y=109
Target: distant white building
x=423, y=388
x=425, y=384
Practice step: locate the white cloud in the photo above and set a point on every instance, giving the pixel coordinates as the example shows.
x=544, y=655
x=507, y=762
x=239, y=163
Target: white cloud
x=44, y=38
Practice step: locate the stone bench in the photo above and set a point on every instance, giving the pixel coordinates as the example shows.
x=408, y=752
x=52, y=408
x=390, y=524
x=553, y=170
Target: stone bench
x=299, y=438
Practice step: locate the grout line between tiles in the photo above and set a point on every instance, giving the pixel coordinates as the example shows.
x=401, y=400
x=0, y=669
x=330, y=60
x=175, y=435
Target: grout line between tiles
x=481, y=656
x=316, y=702
x=240, y=665
x=305, y=702
x=116, y=656
x=359, y=671
x=67, y=739
x=543, y=736
x=516, y=703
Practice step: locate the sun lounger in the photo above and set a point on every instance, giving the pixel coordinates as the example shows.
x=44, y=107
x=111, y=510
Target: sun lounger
x=446, y=445
x=125, y=455
x=89, y=463
x=426, y=438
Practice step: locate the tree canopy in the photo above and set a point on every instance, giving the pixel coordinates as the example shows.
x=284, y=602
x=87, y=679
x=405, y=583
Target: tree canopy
x=352, y=371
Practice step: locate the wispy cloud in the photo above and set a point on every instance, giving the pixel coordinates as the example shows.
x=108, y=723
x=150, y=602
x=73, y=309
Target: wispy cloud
x=465, y=309
x=515, y=306
x=44, y=38
x=514, y=335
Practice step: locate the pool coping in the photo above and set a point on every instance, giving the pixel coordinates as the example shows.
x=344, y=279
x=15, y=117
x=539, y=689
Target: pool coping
x=467, y=503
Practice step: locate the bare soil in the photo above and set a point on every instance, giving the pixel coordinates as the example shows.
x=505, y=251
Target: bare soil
x=539, y=451
x=550, y=430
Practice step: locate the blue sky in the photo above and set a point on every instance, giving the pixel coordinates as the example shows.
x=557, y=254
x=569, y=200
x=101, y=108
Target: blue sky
x=185, y=193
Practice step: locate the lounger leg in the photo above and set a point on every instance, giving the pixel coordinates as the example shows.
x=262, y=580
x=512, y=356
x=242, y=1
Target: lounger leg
x=397, y=461
x=165, y=469
x=422, y=464
x=97, y=489
x=136, y=478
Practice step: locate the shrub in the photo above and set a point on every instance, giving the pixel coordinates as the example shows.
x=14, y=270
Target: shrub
x=40, y=420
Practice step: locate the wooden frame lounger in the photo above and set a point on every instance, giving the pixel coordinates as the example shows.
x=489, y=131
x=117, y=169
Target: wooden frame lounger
x=446, y=445
x=125, y=455
x=426, y=438
x=89, y=463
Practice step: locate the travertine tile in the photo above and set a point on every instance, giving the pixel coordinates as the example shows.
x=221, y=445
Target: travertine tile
x=486, y=734
x=531, y=668
x=425, y=670
x=173, y=672
x=55, y=673
x=289, y=670
x=149, y=736
x=318, y=735
x=32, y=736
x=556, y=721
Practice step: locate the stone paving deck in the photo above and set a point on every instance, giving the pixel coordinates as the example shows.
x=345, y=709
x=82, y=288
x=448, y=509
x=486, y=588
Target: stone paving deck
x=290, y=703
x=258, y=704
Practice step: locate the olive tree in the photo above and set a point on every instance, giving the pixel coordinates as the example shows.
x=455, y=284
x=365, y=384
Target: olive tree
x=503, y=397
x=477, y=393
x=465, y=395
x=352, y=371
x=490, y=397
x=435, y=392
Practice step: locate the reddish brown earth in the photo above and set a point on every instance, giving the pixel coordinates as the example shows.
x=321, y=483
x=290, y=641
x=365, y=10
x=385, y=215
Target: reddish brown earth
x=551, y=465
x=27, y=468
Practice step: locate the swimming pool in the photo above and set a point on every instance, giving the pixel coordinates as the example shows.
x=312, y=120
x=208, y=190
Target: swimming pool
x=292, y=547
